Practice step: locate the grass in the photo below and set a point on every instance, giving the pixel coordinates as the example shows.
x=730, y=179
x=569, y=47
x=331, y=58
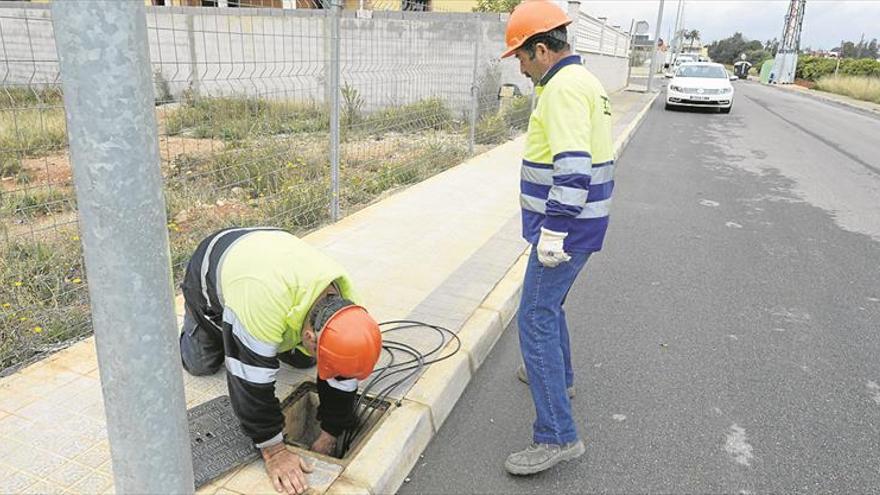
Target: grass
x=365, y=181
x=234, y=119
x=518, y=112
x=859, y=87
x=492, y=129
x=275, y=172
x=22, y=97
x=31, y=124
x=35, y=202
x=42, y=295
x=31, y=131
x=426, y=114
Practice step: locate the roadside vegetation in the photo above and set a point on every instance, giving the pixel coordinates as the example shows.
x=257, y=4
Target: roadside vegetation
x=225, y=161
x=856, y=78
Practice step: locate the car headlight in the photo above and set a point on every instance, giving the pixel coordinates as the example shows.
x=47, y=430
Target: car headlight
x=676, y=88
x=726, y=90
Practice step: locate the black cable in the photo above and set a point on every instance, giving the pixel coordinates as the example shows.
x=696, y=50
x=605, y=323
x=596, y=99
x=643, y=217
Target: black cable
x=366, y=405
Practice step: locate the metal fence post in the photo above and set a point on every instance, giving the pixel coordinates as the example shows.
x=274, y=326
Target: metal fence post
x=111, y=123
x=475, y=89
x=574, y=13
x=335, y=41
x=193, y=54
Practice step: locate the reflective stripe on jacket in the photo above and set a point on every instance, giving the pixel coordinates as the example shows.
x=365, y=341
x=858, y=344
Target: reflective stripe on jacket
x=567, y=172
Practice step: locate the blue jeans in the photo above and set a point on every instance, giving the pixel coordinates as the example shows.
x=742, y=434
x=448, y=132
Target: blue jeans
x=545, y=347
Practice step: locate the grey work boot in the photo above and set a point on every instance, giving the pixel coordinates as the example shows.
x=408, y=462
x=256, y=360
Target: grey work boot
x=541, y=456
x=521, y=374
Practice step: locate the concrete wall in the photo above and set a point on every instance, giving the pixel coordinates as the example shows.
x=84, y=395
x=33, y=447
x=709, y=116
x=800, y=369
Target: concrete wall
x=391, y=58
x=610, y=70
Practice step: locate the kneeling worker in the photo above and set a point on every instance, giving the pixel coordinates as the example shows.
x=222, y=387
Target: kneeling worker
x=255, y=296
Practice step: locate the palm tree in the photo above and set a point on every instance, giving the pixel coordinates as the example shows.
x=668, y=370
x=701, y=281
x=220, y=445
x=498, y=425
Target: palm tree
x=693, y=35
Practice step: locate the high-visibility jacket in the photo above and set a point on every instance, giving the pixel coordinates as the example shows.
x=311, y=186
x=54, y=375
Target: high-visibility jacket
x=567, y=173
x=256, y=286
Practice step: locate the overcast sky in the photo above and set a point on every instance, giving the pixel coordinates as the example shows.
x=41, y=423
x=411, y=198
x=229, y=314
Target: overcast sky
x=826, y=22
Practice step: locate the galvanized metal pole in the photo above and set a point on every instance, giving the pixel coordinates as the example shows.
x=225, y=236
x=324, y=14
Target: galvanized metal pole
x=676, y=30
x=111, y=123
x=475, y=89
x=335, y=41
x=654, y=48
x=630, y=52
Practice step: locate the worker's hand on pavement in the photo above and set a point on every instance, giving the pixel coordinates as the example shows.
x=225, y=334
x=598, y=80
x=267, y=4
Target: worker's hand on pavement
x=324, y=444
x=286, y=469
x=551, y=251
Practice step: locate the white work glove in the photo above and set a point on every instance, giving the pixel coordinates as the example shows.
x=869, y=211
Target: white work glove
x=550, y=248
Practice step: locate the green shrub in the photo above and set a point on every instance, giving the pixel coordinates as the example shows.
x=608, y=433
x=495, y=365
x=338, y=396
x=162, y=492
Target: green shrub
x=860, y=67
x=10, y=165
x=352, y=106
x=815, y=68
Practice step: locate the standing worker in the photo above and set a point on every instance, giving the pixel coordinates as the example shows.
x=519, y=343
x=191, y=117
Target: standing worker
x=565, y=194
x=256, y=296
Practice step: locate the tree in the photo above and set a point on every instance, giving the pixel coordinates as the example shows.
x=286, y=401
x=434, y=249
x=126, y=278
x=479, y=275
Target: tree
x=772, y=46
x=848, y=49
x=872, y=50
x=693, y=35
x=728, y=51
x=496, y=5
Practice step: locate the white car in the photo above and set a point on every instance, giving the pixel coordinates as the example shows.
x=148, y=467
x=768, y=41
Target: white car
x=700, y=84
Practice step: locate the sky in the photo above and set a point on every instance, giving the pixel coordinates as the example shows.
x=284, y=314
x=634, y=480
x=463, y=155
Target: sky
x=826, y=22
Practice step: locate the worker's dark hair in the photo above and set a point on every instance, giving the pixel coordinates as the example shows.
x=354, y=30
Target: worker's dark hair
x=555, y=41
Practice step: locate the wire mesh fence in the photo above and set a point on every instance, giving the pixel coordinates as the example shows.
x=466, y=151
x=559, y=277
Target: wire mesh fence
x=245, y=101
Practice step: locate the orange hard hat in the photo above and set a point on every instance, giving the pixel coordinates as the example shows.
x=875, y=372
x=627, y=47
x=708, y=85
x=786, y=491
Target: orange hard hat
x=349, y=344
x=530, y=18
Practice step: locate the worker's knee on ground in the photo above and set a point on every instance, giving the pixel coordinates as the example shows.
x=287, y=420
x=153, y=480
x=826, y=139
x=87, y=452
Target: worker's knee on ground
x=198, y=360
x=201, y=369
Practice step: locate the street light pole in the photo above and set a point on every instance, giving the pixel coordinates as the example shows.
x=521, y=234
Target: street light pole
x=676, y=29
x=104, y=57
x=654, y=49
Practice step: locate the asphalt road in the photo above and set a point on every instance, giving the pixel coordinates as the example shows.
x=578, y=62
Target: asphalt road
x=726, y=339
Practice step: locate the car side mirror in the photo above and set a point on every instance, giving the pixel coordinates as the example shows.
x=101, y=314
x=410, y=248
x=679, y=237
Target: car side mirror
x=734, y=78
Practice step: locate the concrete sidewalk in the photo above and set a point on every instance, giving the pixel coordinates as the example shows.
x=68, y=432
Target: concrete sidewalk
x=446, y=251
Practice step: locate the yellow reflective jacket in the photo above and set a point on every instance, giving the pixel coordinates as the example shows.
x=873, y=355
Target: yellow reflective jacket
x=567, y=174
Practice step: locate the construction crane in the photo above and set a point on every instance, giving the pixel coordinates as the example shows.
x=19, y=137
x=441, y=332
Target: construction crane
x=786, y=58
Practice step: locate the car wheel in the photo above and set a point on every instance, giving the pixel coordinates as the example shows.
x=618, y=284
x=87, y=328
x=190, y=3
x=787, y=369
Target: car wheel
x=727, y=110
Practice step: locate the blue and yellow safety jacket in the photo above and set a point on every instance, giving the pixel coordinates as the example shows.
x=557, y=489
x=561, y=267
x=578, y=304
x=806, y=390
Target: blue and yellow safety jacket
x=568, y=167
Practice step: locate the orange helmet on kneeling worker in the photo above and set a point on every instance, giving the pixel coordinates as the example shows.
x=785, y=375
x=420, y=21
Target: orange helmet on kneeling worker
x=530, y=18
x=349, y=341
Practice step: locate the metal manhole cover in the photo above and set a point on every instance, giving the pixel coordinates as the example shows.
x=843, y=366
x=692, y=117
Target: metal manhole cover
x=218, y=444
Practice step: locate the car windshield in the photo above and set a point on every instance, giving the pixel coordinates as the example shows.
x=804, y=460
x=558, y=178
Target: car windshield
x=707, y=71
